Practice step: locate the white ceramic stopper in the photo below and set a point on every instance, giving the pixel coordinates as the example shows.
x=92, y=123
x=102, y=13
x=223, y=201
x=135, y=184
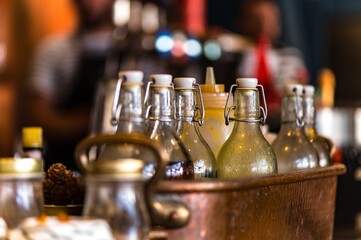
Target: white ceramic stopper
x=293, y=89
x=161, y=79
x=247, y=82
x=131, y=76
x=308, y=90
x=184, y=82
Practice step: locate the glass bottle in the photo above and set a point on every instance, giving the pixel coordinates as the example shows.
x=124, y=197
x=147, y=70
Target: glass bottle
x=128, y=117
x=318, y=142
x=246, y=152
x=187, y=115
x=293, y=149
x=32, y=143
x=21, y=189
x=160, y=114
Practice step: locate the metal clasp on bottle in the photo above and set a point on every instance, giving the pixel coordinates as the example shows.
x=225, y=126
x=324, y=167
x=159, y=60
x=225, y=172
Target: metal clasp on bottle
x=117, y=107
x=299, y=119
x=227, y=111
x=198, y=109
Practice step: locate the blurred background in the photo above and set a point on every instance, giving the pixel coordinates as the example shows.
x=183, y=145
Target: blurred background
x=151, y=35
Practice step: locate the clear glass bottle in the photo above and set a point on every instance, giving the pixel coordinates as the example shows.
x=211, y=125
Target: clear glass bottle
x=318, y=142
x=293, y=149
x=246, y=152
x=21, y=189
x=128, y=117
x=160, y=114
x=188, y=114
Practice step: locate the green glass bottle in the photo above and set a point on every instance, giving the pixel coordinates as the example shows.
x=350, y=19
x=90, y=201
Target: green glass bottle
x=246, y=152
x=188, y=114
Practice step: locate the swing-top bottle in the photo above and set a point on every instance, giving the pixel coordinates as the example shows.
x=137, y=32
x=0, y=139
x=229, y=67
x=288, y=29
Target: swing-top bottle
x=318, y=142
x=159, y=101
x=246, y=152
x=188, y=115
x=292, y=147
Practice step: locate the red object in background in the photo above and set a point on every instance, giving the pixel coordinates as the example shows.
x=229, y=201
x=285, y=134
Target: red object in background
x=194, y=12
x=263, y=73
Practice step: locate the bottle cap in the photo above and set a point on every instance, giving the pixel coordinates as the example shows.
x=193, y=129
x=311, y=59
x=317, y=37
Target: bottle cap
x=131, y=76
x=32, y=137
x=210, y=85
x=308, y=90
x=247, y=82
x=184, y=82
x=161, y=79
x=293, y=89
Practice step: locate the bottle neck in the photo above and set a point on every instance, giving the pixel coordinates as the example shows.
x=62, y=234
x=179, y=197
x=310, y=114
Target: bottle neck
x=291, y=109
x=130, y=126
x=309, y=111
x=131, y=103
x=246, y=103
x=185, y=105
x=161, y=103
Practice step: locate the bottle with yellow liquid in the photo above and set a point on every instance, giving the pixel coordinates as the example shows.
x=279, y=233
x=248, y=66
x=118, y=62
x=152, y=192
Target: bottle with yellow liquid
x=246, y=152
x=214, y=131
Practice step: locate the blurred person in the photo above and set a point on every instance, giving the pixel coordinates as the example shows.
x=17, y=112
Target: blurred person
x=64, y=78
x=274, y=65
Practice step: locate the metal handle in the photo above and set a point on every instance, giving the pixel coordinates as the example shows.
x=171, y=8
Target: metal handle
x=164, y=212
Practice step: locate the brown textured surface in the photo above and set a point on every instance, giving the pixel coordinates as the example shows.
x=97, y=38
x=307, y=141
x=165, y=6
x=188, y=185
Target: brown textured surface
x=298, y=205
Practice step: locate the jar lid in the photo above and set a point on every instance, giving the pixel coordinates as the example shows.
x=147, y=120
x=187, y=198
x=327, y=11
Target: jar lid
x=134, y=76
x=184, y=82
x=161, y=79
x=20, y=167
x=124, y=168
x=247, y=82
x=32, y=137
x=293, y=89
x=308, y=90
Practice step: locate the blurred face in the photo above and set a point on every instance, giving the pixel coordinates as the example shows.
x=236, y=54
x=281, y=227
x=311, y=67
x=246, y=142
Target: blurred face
x=94, y=12
x=268, y=16
x=262, y=19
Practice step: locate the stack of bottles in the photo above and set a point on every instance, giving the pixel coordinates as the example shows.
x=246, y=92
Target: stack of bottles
x=293, y=149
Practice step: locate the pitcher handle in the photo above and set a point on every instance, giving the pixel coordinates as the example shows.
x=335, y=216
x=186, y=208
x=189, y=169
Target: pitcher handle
x=164, y=212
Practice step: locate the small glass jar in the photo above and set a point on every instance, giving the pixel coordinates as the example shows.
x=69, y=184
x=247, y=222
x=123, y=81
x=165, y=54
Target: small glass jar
x=115, y=191
x=21, y=189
